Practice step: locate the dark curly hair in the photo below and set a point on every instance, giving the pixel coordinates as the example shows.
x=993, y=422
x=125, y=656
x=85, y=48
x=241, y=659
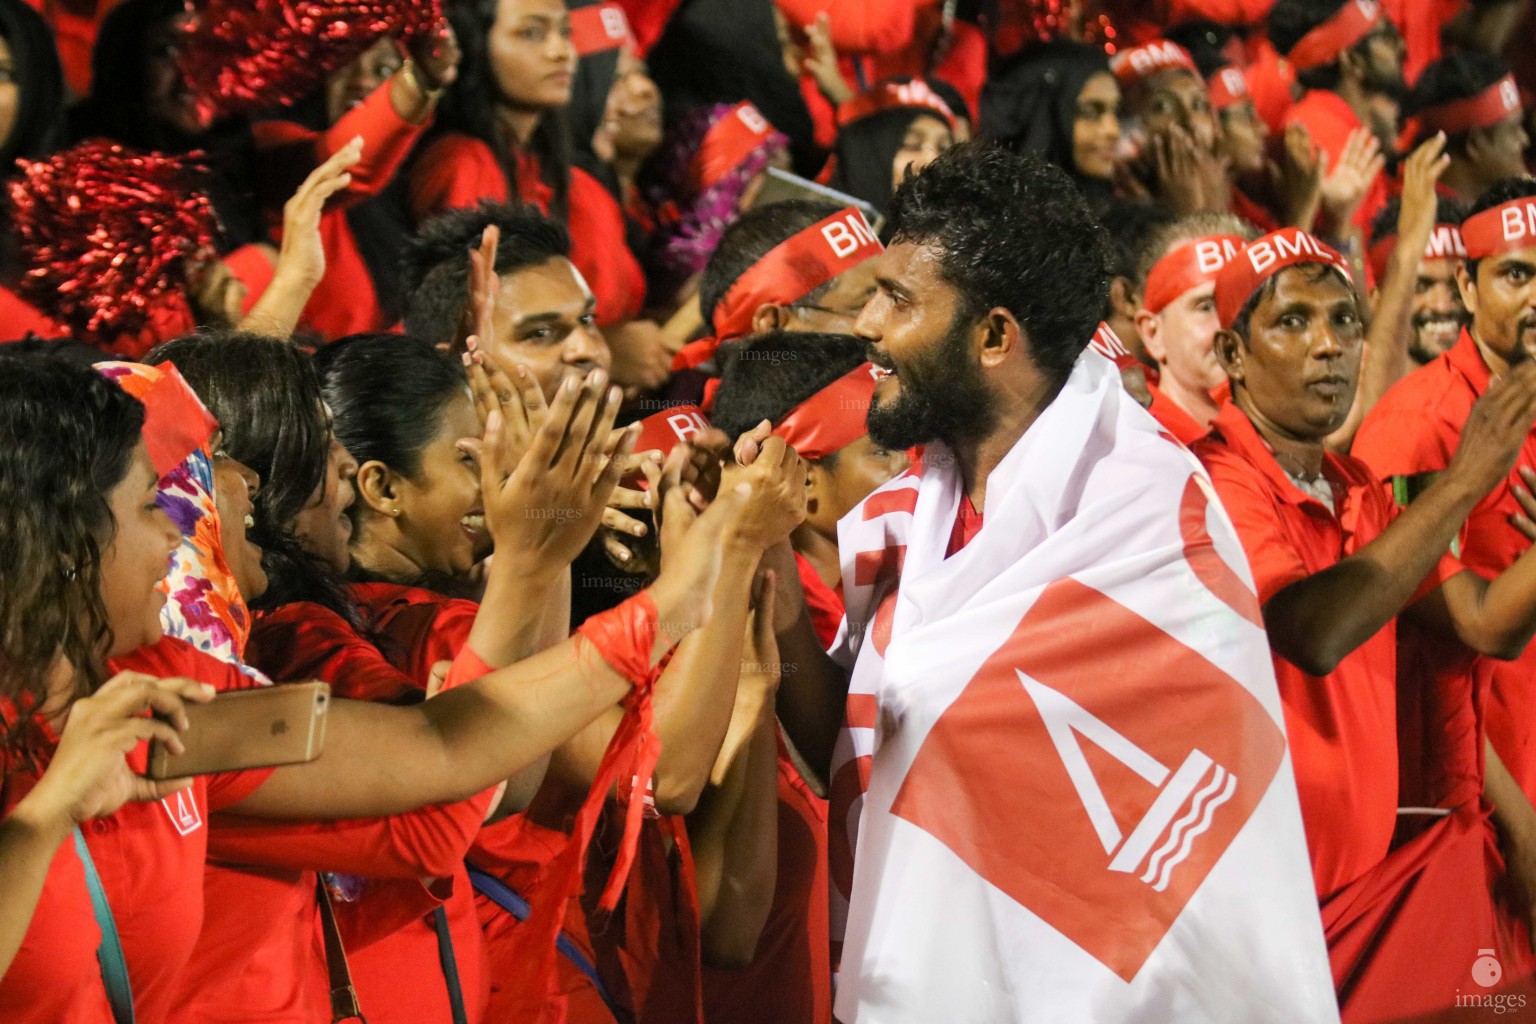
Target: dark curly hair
x=266, y=395
x=67, y=435
x=765, y=377
x=436, y=261
x=1012, y=231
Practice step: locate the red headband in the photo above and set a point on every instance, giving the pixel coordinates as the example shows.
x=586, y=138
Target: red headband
x=1142, y=62
x=801, y=263
x=599, y=28
x=1445, y=243
x=895, y=96
x=1321, y=46
x=665, y=430
x=1488, y=107
x=1501, y=229
x=833, y=417
x=727, y=144
x=1228, y=88
x=1187, y=265
x=1261, y=260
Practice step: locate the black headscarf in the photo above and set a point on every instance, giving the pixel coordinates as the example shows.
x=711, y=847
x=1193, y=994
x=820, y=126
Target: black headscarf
x=1029, y=103
x=867, y=148
x=725, y=51
x=39, y=129
x=118, y=109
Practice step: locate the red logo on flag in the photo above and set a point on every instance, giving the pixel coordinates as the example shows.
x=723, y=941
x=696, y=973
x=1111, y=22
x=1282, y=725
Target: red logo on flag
x=1094, y=769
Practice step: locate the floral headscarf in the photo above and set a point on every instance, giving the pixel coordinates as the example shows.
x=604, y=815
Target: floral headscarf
x=205, y=607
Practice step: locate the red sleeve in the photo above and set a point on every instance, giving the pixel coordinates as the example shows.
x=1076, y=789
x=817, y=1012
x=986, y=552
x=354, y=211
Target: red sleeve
x=423, y=633
x=1398, y=439
x=455, y=171
x=289, y=151
x=823, y=113
x=303, y=641
x=429, y=841
x=1274, y=562
x=859, y=26
x=18, y=319
x=600, y=251
x=252, y=266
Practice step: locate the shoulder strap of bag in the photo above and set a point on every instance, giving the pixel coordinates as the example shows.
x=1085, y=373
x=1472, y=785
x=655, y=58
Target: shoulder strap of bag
x=114, y=969
x=450, y=963
x=343, y=993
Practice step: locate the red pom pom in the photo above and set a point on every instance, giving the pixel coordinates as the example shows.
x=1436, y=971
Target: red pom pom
x=1021, y=23
x=241, y=55
x=106, y=234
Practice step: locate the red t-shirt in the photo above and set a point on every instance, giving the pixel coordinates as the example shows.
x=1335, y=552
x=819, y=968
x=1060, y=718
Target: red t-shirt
x=459, y=171
x=1342, y=727
x=1409, y=435
x=150, y=857
x=273, y=916
x=18, y=318
x=1330, y=120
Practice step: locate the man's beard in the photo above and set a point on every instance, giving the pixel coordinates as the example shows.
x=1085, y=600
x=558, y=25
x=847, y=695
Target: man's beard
x=943, y=397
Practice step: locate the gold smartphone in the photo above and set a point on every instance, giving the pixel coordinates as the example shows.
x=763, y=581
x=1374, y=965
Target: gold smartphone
x=255, y=728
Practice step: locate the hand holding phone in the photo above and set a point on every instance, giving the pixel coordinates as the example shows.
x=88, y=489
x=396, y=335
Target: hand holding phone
x=256, y=728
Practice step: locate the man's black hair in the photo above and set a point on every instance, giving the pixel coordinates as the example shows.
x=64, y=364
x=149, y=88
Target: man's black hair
x=1459, y=76
x=1014, y=232
x=1497, y=194
x=765, y=377
x=436, y=267
x=1289, y=20
x=749, y=239
x=1447, y=211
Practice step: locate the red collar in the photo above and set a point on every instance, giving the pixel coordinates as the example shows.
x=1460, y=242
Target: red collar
x=1467, y=359
x=1242, y=437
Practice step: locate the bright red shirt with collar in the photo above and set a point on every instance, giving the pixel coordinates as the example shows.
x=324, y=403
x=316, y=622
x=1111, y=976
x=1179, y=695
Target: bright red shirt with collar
x=1330, y=120
x=459, y=171
x=1342, y=727
x=150, y=858
x=1413, y=430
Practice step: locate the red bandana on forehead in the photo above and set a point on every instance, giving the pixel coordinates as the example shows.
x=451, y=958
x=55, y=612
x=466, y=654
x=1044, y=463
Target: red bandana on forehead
x=727, y=144
x=796, y=266
x=895, y=96
x=1228, y=88
x=1445, y=242
x=1502, y=229
x=1140, y=63
x=1246, y=272
x=665, y=430
x=1188, y=265
x=1348, y=25
x=599, y=28
x=833, y=417
x=1489, y=107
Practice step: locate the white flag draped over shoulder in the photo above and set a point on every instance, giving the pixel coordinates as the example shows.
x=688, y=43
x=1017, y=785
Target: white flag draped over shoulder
x=1079, y=801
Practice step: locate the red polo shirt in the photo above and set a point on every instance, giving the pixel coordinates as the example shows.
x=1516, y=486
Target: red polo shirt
x=1414, y=431
x=150, y=858
x=1342, y=727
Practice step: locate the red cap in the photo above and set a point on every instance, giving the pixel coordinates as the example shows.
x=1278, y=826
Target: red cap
x=1142, y=62
x=1348, y=25
x=1261, y=260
